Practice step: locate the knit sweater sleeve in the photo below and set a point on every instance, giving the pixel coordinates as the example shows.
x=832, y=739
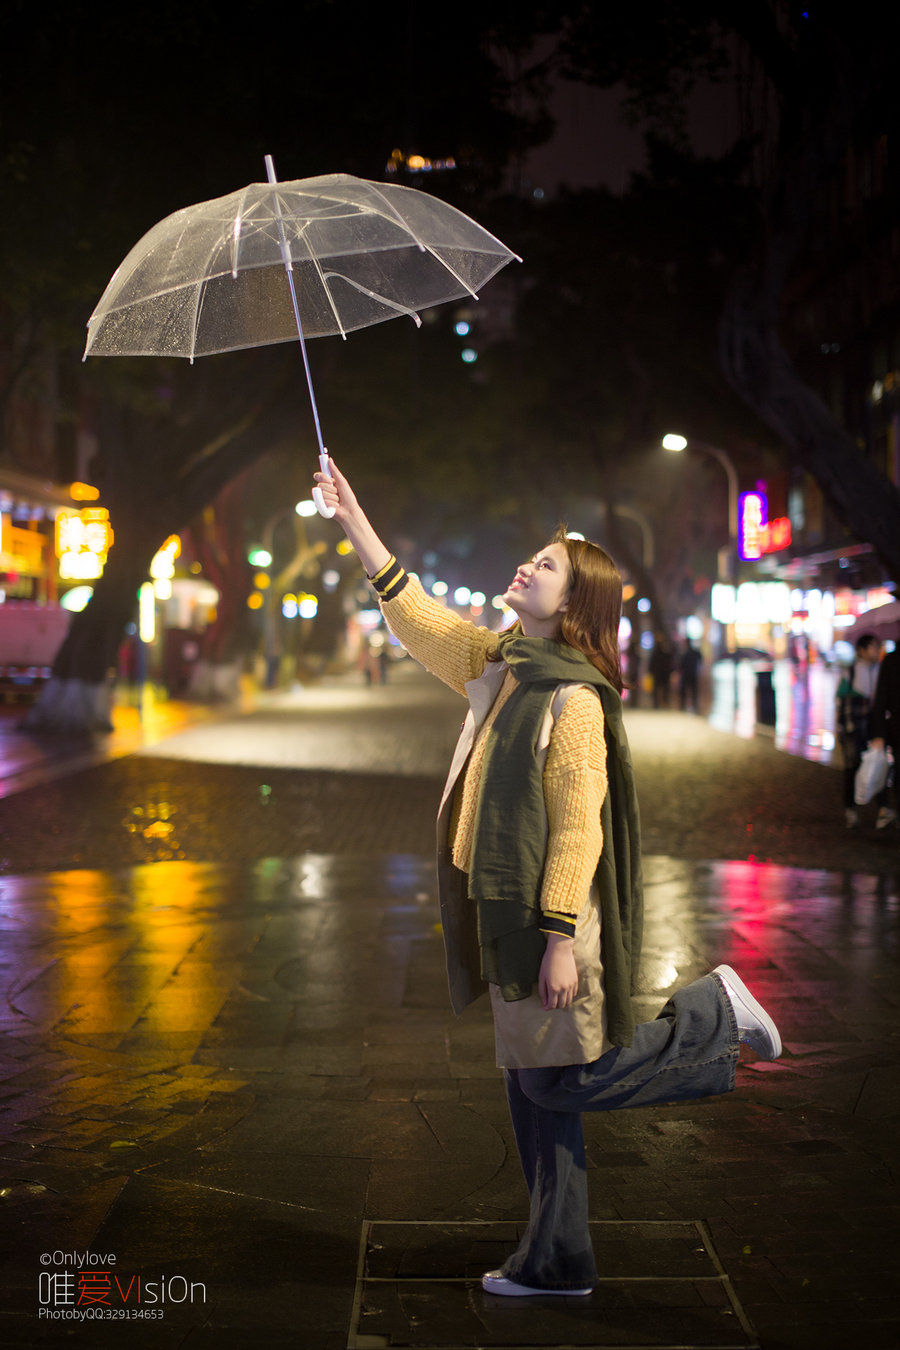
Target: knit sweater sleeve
x=575, y=784
x=451, y=648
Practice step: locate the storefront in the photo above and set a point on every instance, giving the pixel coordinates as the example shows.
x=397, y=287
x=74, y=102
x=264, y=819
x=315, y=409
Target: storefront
x=28, y=511
x=54, y=544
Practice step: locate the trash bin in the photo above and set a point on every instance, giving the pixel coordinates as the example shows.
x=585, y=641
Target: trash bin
x=765, y=697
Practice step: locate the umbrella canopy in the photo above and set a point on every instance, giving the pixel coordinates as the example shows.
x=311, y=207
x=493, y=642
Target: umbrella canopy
x=211, y=277
x=883, y=622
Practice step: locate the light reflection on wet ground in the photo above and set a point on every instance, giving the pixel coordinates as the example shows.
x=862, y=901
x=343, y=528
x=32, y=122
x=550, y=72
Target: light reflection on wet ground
x=223, y=1064
x=223, y=1070
x=804, y=705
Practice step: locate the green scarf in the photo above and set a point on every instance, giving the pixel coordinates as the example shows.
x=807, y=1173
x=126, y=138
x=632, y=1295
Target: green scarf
x=510, y=836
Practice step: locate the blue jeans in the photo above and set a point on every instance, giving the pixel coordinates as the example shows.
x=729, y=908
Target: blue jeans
x=690, y=1050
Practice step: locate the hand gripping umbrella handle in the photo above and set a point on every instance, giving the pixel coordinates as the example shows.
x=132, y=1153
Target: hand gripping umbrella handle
x=323, y=510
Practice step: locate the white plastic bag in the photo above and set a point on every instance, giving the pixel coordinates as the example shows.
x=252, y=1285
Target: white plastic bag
x=871, y=775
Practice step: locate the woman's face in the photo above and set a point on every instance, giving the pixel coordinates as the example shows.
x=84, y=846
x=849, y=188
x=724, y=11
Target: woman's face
x=539, y=591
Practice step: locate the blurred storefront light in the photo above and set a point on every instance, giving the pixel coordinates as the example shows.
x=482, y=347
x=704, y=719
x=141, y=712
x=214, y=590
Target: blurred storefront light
x=162, y=567
x=723, y=603
x=762, y=602
x=146, y=612
x=83, y=492
x=75, y=599
x=83, y=540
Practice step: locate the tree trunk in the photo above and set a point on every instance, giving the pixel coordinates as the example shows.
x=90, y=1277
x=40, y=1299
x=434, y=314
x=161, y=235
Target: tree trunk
x=77, y=699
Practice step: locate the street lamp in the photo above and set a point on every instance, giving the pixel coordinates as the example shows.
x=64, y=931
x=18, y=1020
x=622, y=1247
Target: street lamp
x=677, y=443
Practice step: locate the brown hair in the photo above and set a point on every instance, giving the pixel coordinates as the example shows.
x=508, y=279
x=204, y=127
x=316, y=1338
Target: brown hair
x=590, y=622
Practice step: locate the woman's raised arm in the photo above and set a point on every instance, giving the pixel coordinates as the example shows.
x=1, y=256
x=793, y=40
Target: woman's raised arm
x=337, y=492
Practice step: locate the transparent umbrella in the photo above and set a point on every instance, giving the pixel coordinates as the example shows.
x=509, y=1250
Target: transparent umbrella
x=275, y=262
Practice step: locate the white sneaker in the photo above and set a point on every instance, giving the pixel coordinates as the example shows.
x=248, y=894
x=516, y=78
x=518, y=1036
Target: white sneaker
x=755, y=1026
x=495, y=1282
x=885, y=817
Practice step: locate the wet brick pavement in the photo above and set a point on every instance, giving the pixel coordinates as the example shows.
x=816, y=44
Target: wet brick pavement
x=228, y=1061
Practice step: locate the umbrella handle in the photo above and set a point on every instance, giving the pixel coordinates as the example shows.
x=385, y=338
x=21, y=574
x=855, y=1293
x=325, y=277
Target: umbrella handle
x=323, y=510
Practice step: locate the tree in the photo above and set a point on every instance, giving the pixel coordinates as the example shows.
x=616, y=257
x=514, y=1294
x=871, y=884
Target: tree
x=828, y=87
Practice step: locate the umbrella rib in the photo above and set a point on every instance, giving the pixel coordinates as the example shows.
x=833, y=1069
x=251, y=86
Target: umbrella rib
x=198, y=303
x=317, y=265
x=236, y=227
x=427, y=248
x=198, y=306
x=373, y=295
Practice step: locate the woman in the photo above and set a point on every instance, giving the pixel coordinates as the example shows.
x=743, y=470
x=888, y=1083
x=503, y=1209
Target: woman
x=539, y=871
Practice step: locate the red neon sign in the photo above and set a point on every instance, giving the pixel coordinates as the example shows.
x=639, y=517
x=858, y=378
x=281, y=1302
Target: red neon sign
x=776, y=534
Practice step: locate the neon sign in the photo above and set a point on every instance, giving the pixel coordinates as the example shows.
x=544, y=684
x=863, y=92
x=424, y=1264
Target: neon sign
x=753, y=508
x=756, y=533
x=776, y=534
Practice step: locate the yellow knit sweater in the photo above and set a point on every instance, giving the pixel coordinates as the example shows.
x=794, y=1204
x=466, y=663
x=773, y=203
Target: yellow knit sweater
x=575, y=769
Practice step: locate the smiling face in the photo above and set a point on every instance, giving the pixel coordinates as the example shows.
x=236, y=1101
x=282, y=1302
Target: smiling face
x=539, y=592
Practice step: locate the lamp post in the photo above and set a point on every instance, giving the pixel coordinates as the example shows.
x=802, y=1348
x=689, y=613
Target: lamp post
x=678, y=443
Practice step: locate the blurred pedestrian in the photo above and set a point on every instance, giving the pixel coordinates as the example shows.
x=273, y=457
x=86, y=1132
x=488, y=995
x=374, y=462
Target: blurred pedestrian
x=633, y=669
x=884, y=726
x=689, y=663
x=661, y=663
x=373, y=659
x=855, y=693
x=540, y=875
